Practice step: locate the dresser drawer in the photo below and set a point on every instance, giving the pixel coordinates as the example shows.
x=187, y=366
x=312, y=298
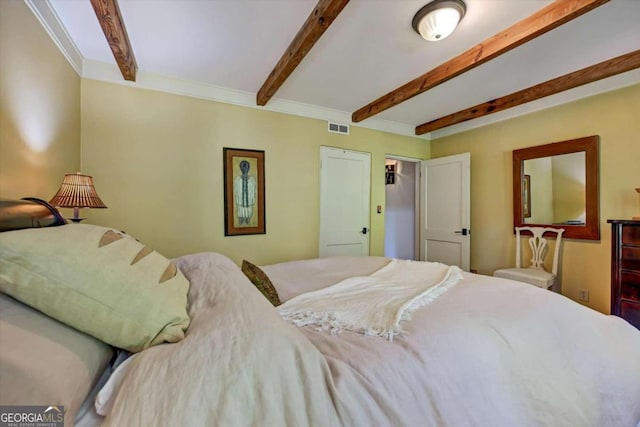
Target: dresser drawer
x=630, y=258
x=630, y=312
x=630, y=235
x=630, y=286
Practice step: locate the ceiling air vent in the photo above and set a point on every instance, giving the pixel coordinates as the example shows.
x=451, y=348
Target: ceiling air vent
x=338, y=128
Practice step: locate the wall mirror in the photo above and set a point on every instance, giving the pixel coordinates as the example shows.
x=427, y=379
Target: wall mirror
x=556, y=185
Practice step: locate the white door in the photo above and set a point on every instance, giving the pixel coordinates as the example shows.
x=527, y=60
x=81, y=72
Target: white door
x=345, y=181
x=445, y=214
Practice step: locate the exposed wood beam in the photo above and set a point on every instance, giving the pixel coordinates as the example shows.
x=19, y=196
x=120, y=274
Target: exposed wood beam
x=110, y=19
x=599, y=71
x=546, y=19
x=316, y=24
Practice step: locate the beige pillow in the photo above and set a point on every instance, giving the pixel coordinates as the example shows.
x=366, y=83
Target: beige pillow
x=98, y=280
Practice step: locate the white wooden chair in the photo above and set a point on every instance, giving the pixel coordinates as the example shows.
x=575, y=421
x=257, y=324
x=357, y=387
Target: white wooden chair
x=535, y=274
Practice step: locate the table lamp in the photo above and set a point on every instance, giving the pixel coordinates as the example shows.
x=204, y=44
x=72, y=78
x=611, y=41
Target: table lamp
x=77, y=191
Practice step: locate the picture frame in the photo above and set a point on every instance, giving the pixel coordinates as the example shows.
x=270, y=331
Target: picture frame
x=526, y=196
x=390, y=174
x=244, y=192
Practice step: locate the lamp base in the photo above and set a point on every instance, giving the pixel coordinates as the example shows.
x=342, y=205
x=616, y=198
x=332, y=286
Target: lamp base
x=75, y=219
x=636, y=218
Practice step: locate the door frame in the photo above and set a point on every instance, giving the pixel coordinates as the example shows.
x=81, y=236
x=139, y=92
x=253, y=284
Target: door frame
x=416, y=200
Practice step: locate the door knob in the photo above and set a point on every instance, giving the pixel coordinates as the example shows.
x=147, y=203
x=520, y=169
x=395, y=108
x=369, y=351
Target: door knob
x=364, y=230
x=464, y=232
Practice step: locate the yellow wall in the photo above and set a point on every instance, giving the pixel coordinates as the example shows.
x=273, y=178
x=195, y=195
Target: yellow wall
x=614, y=116
x=156, y=160
x=40, y=108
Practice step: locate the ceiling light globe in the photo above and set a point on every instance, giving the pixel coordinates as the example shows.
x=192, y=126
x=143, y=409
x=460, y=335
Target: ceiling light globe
x=439, y=24
x=438, y=19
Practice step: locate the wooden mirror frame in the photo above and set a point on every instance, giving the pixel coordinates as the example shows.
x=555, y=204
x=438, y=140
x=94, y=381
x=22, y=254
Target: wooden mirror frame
x=589, y=145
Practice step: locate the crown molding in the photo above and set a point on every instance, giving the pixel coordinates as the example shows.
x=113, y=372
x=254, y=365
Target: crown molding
x=102, y=71
x=49, y=20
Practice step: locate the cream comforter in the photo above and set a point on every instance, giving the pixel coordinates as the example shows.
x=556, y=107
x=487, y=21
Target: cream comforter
x=487, y=352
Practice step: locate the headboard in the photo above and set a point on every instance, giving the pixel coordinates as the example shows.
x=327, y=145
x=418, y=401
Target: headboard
x=28, y=212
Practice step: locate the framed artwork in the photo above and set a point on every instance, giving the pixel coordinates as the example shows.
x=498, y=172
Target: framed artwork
x=526, y=196
x=243, y=192
x=390, y=174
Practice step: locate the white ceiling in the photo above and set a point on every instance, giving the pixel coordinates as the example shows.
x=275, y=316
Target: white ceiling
x=369, y=50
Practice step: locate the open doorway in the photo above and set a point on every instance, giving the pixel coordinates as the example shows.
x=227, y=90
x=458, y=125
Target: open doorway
x=402, y=204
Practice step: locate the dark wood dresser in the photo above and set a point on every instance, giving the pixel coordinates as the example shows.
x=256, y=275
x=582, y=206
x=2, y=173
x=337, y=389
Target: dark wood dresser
x=625, y=270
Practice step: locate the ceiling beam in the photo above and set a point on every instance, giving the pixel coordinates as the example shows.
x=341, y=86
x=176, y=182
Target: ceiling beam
x=544, y=20
x=316, y=24
x=596, y=72
x=108, y=14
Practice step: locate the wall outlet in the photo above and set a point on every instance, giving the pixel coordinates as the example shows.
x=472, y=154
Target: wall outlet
x=583, y=295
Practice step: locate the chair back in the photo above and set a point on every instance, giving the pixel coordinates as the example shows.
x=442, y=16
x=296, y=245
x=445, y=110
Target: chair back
x=539, y=247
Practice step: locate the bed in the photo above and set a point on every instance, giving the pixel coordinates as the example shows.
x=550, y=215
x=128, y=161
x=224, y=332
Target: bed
x=483, y=351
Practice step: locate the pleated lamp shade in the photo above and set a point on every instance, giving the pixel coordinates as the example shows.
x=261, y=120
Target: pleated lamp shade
x=77, y=191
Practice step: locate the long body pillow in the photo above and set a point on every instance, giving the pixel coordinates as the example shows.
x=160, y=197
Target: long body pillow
x=98, y=280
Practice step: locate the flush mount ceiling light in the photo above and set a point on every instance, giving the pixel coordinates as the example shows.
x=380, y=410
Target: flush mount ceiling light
x=438, y=19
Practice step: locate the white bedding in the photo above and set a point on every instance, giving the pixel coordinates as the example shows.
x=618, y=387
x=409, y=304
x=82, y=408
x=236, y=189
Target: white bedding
x=487, y=352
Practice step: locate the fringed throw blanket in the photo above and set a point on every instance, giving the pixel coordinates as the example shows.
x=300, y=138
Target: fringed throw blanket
x=375, y=304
